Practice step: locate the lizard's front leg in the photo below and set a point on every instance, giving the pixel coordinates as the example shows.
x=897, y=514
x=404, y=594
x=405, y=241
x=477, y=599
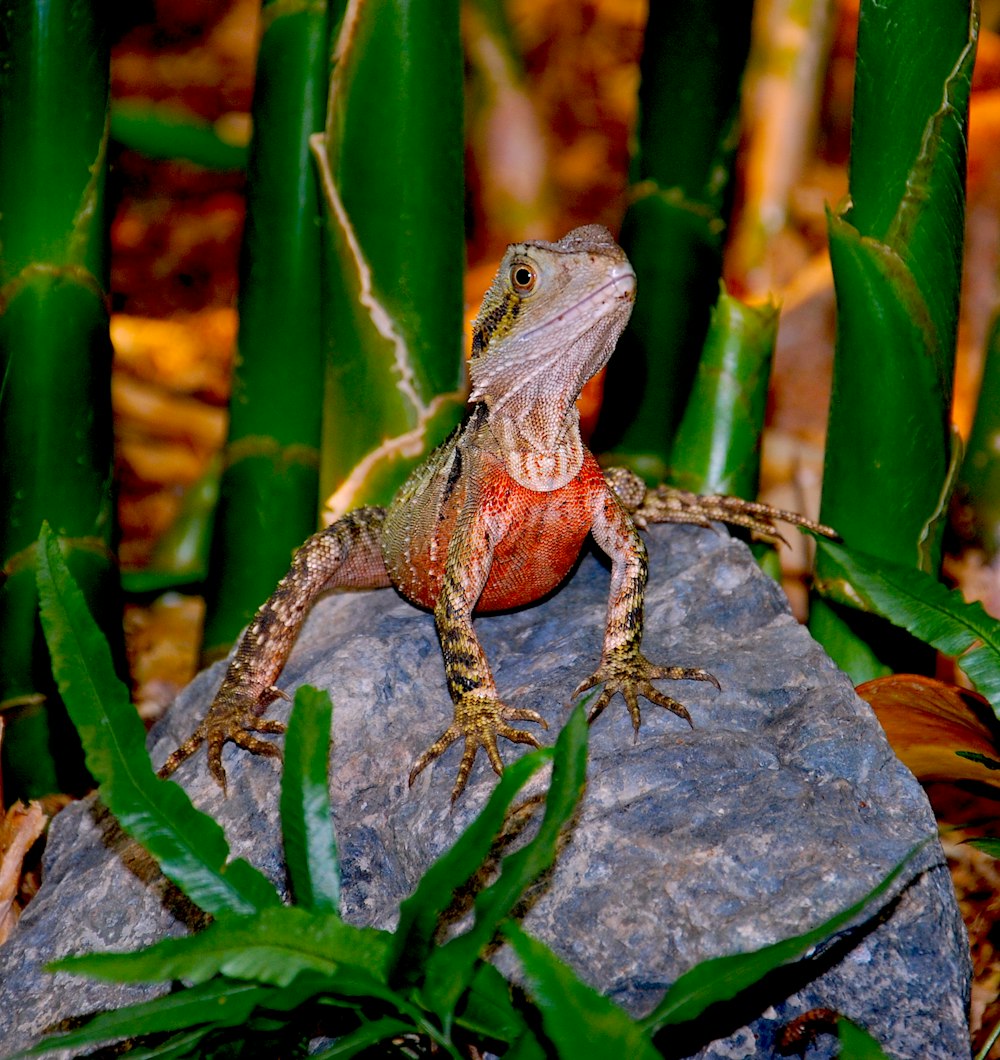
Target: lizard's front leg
x=346, y=554
x=668, y=504
x=480, y=715
x=623, y=666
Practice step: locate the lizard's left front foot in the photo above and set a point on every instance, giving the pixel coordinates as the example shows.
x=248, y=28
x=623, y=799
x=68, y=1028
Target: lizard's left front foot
x=479, y=720
x=632, y=675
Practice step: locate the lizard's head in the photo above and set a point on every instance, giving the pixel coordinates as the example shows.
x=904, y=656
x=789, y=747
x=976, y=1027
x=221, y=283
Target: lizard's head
x=549, y=322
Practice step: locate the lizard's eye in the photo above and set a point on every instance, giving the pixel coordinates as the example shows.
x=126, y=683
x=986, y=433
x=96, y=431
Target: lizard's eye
x=522, y=278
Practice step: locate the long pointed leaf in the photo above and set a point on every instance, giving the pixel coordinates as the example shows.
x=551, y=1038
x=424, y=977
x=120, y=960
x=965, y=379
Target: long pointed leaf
x=220, y=1002
x=189, y=846
x=306, y=820
x=577, y=1019
x=921, y=604
x=723, y=978
x=450, y=968
x=420, y=913
x=272, y=947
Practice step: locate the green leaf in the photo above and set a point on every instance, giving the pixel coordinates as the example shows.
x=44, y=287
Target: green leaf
x=919, y=603
x=856, y=1043
x=487, y=1010
x=983, y=760
x=189, y=846
x=908, y=140
x=367, y=1035
x=450, y=967
x=693, y=57
x=219, y=1002
x=987, y=844
x=723, y=978
x=889, y=444
x=717, y=448
x=896, y=252
x=577, y=1019
x=394, y=380
x=159, y=131
x=306, y=820
x=420, y=913
x=272, y=947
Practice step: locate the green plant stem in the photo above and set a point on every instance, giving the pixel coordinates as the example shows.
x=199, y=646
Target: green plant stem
x=393, y=275
x=269, y=493
x=897, y=261
x=692, y=64
x=717, y=449
x=55, y=361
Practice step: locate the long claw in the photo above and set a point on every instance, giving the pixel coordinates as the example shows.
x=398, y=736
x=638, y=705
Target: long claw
x=234, y=715
x=479, y=721
x=183, y=753
x=632, y=675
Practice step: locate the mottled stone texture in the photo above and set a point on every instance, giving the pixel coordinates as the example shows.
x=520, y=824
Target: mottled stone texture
x=783, y=805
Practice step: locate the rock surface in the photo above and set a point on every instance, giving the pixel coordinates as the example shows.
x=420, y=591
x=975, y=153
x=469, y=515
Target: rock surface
x=782, y=806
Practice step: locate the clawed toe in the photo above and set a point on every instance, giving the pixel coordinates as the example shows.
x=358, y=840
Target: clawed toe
x=479, y=721
x=234, y=716
x=632, y=676
x=683, y=673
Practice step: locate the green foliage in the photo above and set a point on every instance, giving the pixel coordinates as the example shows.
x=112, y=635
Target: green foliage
x=157, y=131
x=269, y=492
x=306, y=821
x=896, y=252
x=55, y=362
x=577, y=1019
x=919, y=603
x=189, y=846
x=692, y=65
x=394, y=245
x=263, y=973
x=717, y=448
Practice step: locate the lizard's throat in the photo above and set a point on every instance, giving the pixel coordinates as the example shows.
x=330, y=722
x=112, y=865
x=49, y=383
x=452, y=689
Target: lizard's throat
x=540, y=454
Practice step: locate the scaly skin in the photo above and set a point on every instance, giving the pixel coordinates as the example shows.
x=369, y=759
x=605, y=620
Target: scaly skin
x=495, y=518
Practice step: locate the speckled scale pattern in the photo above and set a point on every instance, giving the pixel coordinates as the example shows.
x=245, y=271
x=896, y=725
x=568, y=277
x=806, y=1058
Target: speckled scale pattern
x=494, y=519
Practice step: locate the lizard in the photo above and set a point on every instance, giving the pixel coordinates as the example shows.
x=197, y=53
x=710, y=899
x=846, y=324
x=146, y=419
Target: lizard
x=495, y=518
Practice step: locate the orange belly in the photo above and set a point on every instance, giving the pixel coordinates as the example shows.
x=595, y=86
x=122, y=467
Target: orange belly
x=544, y=542
x=545, y=532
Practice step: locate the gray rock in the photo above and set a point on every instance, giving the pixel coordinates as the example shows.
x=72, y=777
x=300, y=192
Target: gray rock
x=782, y=806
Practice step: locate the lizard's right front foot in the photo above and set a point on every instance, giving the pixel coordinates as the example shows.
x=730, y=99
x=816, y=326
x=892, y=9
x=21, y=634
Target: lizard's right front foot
x=479, y=720
x=234, y=715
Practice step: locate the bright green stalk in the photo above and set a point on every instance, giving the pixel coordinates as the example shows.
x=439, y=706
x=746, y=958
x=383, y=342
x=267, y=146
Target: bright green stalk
x=897, y=261
x=158, y=131
x=692, y=65
x=55, y=351
x=270, y=486
x=717, y=449
x=390, y=164
x=980, y=481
